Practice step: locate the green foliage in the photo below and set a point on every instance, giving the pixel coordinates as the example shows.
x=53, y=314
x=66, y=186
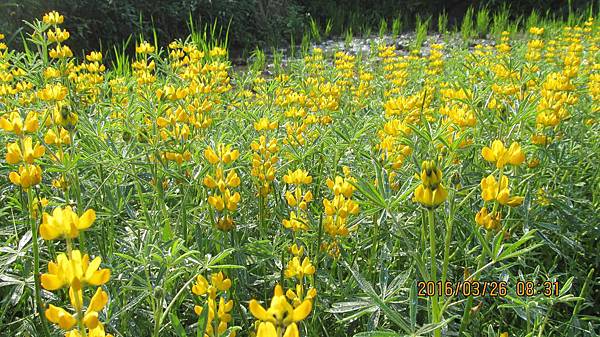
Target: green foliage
x=442, y=25
x=482, y=21
x=421, y=30
x=466, y=27
x=500, y=21
x=396, y=26
x=383, y=28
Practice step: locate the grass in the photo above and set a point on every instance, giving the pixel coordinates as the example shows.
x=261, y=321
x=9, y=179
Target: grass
x=350, y=180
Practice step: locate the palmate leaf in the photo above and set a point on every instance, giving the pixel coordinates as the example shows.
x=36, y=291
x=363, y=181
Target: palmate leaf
x=366, y=287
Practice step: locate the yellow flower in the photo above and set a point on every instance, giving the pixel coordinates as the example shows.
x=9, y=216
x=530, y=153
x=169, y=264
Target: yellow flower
x=13, y=153
x=224, y=309
x=201, y=286
x=297, y=269
x=60, y=52
x=502, y=156
x=281, y=317
x=60, y=316
x=28, y=175
x=223, y=154
x=488, y=220
x=74, y=272
x=64, y=223
x=29, y=154
x=220, y=281
x=491, y=189
x=53, y=18
x=298, y=296
x=58, y=35
x=53, y=92
x=341, y=186
x=265, y=124
x=431, y=192
x=540, y=139
x=62, y=138
x=430, y=198
x=295, y=222
x=144, y=48
x=98, y=301
x=297, y=177
x=14, y=123
x=296, y=251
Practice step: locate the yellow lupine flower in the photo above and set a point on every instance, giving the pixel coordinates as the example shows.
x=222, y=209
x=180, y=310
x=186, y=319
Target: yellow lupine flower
x=281, y=317
x=295, y=223
x=75, y=271
x=14, y=123
x=144, y=48
x=296, y=251
x=488, y=220
x=201, y=286
x=220, y=281
x=58, y=35
x=297, y=269
x=63, y=137
x=98, y=331
x=224, y=309
x=298, y=296
x=297, y=177
x=14, y=154
x=223, y=154
x=28, y=175
x=493, y=190
x=502, y=156
x=341, y=186
x=64, y=223
x=53, y=18
x=60, y=316
x=431, y=192
x=53, y=92
x=60, y=52
x=265, y=124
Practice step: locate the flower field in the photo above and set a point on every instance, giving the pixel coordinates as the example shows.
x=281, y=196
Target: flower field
x=449, y=190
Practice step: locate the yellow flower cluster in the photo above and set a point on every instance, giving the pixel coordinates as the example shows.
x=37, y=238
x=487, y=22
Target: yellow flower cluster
x=144, y=67
x=23, y=151
x=75, y=271
x=57, y=36
x=436, y=62
x=501, y=155
x=281, y=318
x=264, y=156
x=338, y=210
x=298, y=269
x=221, y=181
x=297, y=199
x=219, y=310
x=498, y=191
x=431, y=192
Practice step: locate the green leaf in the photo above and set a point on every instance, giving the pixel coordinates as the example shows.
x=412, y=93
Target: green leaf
x=177, y=325
x=368, y=289
x=202, y=321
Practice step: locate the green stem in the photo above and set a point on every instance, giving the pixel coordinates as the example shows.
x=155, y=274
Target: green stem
x=434, y=299
x=36, y=264
x=467, y=313
x=448, y=239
